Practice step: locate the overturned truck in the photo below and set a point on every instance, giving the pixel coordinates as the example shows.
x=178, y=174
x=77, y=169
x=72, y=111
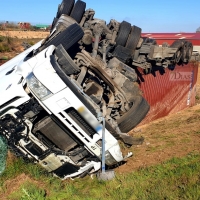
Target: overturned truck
x=55, y=95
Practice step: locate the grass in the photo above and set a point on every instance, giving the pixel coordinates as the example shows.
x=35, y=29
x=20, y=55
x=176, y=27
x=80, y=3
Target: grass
x=6, y=43
x=29, y=191
x=4, y=48
x=178, y=178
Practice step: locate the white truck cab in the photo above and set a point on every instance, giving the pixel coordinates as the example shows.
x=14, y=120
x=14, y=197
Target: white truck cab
x=44, y=120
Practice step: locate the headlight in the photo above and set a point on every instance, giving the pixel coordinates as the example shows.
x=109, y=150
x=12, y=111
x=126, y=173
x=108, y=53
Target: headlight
x=38, y=89
x=109, y=160
x=114, y=154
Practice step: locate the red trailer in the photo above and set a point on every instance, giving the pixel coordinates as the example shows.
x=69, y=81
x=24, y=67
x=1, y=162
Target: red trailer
x=173, y=90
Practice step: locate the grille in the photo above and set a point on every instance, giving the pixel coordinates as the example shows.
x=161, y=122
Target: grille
x=80, y=121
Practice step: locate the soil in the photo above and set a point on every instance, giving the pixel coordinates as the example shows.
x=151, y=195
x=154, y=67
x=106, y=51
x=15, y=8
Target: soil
x=175, y=135
x=14, y=184
x=172, y=136
x=17, y=39
x=16, y=49
x=25, y=34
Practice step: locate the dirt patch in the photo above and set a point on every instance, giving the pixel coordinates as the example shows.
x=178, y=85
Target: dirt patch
x=25, y=34
x=17, y=40
x=17, y=48
x=15, y=184
x=172, y=136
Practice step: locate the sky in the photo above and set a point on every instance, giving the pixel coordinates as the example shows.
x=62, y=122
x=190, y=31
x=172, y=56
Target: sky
x=150, y=15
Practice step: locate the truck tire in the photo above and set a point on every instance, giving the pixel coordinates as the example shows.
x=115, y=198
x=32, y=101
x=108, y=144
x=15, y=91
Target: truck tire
x=135, y=115
x=53, y=23
x=67, y=38
x=78, y=10
x=133, y=38
x=149, y=40
x=59, y=25
x=189, y=49
x=145, y=39
x=123, y=33
x=63, y=22
x=178, y=55
x=184, y=51
x=58, y=10
x=152, y=41
x=65, y=7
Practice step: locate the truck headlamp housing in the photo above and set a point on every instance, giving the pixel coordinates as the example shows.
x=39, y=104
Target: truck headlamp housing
x=109, y=159
x=36, y=87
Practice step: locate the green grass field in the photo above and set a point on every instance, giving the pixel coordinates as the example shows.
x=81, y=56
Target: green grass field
x=178, y=178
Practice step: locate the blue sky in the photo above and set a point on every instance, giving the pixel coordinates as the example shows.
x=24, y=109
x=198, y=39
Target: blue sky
x=150, y=15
